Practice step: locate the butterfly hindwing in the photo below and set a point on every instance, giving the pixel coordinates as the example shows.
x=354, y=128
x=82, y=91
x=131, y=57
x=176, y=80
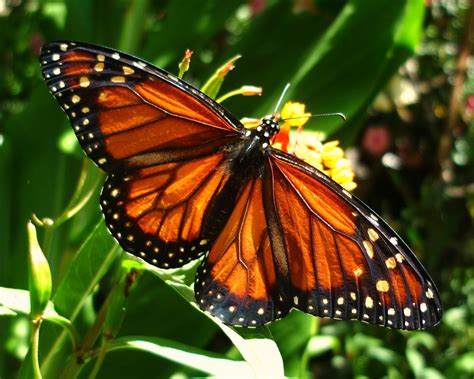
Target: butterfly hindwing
x=237, y=282
x=159, y=213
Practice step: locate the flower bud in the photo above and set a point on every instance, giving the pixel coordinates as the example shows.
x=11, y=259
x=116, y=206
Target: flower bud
x=40, y=282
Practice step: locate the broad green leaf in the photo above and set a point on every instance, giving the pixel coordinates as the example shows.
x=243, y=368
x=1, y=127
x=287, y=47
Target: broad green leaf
x=465, y=363
x=257, y=348
x=210, y=363
x=292, y=334
x=416, y=361
x=333, y=65
x=425, y=339
x=15, y=301
x=7, y=312
x=155, y=309
x=191, y=25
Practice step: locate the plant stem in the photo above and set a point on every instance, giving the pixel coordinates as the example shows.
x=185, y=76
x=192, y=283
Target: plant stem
x=35, y=348
x=100, y=358
x=229, y=94
x=76, y=364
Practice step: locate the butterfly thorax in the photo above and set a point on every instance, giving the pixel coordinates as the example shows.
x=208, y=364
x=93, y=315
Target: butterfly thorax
x=263, y=133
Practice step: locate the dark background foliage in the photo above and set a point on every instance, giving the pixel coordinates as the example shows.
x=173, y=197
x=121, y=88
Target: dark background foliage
x=401, y=71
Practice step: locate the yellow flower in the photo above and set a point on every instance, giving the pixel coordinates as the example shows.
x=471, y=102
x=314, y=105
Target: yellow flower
x=331, y=153
x=307, y=145
x=295, y=112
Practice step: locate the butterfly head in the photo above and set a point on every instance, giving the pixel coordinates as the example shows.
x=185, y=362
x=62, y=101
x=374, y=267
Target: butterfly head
x=268, y=128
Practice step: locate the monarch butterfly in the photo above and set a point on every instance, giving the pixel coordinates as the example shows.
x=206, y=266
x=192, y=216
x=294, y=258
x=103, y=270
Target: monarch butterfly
x=187, y=179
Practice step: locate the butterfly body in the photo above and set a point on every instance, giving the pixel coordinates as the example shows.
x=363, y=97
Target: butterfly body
x=187, y=179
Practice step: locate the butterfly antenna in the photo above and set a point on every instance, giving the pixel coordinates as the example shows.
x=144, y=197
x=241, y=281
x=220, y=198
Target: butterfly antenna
x=281, y=98
x=339, y=114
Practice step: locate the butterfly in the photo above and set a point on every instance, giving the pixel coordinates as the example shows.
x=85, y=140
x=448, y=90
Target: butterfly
x=186, y=179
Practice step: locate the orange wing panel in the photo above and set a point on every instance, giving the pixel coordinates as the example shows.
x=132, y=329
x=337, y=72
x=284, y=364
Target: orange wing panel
x=237, y=281
x=127, y=113
x=172, y=100
x=119, y=119
x=343, y=261
x=159, y=213
x=320, y=199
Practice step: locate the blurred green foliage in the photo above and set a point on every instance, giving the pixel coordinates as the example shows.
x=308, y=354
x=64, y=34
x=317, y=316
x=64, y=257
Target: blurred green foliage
x=393, y=67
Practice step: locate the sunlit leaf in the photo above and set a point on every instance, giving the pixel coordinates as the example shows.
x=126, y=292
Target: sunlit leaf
x=198, y=359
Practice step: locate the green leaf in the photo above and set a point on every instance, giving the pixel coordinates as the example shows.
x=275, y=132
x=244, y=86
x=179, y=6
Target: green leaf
x=416, y=361
x=210, y=363
x=292, y=335
x=7, y=312
x=333, y=65
x=117, y=302
x=15, y=301
x=424, y=339
x=190, y=24
x=257, y=348
x=155, y=309
x=465, y=363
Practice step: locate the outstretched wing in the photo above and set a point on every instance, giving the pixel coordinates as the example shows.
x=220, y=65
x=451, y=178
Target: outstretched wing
x=127, y=113
x=159, y=213
x=343, y=260
x=162, y=141
x=298, y=240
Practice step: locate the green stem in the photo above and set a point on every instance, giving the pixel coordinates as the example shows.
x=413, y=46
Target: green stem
x=100, y=358
x=69, y=327
x=35, y=348
x=76, y=203
x=229, y=94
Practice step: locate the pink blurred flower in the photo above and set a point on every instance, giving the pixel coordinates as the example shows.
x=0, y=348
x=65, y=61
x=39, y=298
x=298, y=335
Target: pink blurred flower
x=376, y=140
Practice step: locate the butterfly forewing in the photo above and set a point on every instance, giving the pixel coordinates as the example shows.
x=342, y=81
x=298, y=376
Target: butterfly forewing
x=344, y=261
x=127, y=113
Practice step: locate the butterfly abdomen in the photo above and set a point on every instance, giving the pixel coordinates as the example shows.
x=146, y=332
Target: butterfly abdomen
x=244, y=162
